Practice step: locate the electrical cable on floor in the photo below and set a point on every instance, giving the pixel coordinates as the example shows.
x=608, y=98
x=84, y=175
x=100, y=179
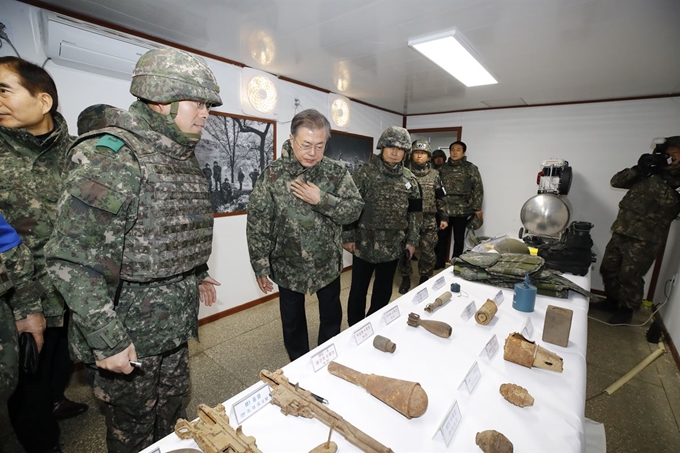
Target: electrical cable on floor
x=595, y=396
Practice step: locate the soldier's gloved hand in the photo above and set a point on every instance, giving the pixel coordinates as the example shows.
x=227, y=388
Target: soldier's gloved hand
x=119, y=363
x=647, y=164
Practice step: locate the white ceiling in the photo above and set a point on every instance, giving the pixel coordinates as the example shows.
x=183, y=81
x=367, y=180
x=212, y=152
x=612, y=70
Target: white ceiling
x=540, y=51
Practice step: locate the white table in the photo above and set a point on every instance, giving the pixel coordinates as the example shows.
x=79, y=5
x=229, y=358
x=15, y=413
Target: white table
x=553, y=424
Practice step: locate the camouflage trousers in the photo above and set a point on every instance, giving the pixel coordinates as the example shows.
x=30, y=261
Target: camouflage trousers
x=9, y=352
x=624, y=264
x=143, y=406
x=428, y=241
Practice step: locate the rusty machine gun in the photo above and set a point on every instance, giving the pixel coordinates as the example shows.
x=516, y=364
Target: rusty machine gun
x=300, y=403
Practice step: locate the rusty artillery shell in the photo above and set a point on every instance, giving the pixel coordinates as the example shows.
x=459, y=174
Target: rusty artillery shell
x=384, y=344
x=523, y=352
x=519, y=396
x=406, y=397
x=439, y=301
x=486, y=312
x=491, y=441
x=441, y=329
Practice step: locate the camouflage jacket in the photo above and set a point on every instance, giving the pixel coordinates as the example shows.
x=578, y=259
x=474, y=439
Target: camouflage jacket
x=299, y=245
x=464, y=188
x=99, y=205
x=392, y=212
x=30, y=182
x=649, y=206
x=434, y=201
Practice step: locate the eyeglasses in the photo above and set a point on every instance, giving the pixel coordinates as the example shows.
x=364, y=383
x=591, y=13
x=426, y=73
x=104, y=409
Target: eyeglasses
x=200, y=105
x=319, y=147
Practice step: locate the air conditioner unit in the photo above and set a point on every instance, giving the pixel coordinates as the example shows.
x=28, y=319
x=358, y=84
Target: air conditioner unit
x=81, y=45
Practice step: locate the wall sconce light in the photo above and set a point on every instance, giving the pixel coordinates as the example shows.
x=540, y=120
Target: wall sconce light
x=259, y=93
x=339, y=110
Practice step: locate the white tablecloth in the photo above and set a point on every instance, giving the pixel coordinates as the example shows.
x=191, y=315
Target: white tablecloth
x=555, y=423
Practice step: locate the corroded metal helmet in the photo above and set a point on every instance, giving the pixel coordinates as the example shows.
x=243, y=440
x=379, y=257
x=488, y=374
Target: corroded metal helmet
x=422, y=145
x=169, y=75
x=395, y=137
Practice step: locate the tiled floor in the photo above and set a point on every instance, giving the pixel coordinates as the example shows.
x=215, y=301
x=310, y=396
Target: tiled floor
x=641, y=417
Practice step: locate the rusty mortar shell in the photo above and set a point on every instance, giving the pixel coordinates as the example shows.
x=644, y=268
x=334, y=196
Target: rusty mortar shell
x=441, y=329
x=439, y=301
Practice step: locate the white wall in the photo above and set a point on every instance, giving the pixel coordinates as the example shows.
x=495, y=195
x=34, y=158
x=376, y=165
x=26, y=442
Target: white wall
x=229, y=262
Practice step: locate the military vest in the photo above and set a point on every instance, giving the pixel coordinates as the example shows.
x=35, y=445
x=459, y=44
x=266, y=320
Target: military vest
x=386, y=199
x=428, y=180
x=456, y=178
x=173, y=231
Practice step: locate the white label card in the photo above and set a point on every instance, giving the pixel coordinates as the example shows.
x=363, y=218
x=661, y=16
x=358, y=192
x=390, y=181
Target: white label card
x=324, y=357
x=391, y=314
x=499, y=298
x=420, y=296
x=363, y=333
x=528, y=329
x=251, y=403
x=472, y=377
x=491, y=347
x=469, y=311
x=450, y=423
x=440, y=282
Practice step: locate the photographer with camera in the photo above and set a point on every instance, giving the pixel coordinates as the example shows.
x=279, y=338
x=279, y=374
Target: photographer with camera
x=641, y=226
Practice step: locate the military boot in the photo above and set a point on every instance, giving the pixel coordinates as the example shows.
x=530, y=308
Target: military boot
x=623, y=315
x=405, y=284
x=423, y=279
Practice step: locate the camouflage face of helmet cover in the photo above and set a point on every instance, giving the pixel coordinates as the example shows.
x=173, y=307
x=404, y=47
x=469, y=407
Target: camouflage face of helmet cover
x=169, y=75
x=395, y=137
x=422, y=145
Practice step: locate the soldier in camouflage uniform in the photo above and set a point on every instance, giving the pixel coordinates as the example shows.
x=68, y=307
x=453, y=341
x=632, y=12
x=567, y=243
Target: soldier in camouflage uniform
x=641, y=226
x=33, y=142
x=464, y=196
x=295, y=217
x=131, y=243
x=389, y=226
x=433, y=205
x=18, y=285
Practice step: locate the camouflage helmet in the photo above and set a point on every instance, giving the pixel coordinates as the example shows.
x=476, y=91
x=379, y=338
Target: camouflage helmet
x=474, y=222
x=395, y=137
x=170, y=75
x=422, y=145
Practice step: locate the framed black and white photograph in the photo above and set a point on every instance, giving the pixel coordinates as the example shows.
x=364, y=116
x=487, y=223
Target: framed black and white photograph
x=232, y=153
x=350, y=149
